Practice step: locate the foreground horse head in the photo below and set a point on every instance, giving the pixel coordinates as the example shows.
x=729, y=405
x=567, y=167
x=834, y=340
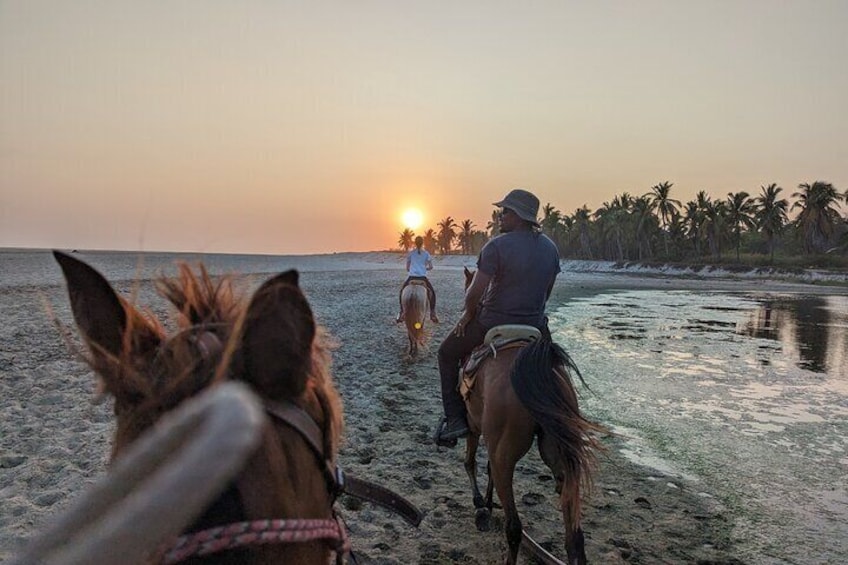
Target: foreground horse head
x=526, y=391
x=271, y=343
x=416, y=308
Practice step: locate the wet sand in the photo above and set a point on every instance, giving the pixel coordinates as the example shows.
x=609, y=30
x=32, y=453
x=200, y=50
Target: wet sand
x=54, y=441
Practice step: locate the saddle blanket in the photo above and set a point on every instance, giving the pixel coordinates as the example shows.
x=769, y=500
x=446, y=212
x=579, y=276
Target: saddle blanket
x=497, y=339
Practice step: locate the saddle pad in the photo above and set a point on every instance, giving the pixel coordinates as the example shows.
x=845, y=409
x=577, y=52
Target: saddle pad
x=480, y=353
x=512, y=331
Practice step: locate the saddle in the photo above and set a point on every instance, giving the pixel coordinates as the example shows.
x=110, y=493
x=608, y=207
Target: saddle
x=417, y=282
x=499, y=338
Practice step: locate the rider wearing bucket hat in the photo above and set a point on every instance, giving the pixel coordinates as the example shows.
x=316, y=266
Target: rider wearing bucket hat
x=515, y=275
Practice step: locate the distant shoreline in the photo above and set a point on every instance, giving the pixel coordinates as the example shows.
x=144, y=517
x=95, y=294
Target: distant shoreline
x=392, y=259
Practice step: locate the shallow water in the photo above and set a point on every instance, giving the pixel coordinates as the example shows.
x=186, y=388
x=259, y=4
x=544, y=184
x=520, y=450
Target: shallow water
x=744, y=393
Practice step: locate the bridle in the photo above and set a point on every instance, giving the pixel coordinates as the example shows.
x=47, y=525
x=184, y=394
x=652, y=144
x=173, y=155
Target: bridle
x=278, y=531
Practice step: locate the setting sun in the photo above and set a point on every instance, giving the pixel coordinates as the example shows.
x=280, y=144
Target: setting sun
x=412, y=218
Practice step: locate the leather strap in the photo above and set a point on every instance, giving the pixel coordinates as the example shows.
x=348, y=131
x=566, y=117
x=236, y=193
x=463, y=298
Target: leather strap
x=382, y=496
x=297, y=418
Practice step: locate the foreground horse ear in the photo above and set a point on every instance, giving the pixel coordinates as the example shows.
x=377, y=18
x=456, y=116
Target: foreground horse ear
x=277, y=340
x=290, y=277
x=97, y=309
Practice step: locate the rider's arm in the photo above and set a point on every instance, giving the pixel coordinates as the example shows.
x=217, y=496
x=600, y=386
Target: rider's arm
x=550, y=289
x=473, y=295
x=475, y=291
x=408, y=263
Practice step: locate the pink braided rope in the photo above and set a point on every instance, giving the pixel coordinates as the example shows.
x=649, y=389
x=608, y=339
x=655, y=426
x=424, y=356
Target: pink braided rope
x=257, y=532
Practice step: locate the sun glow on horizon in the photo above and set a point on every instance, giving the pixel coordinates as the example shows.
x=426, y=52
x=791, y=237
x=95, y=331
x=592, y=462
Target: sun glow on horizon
x=412, y=218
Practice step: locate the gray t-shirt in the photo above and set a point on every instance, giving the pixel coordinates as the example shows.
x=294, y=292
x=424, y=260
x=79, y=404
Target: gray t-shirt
x=523, y=266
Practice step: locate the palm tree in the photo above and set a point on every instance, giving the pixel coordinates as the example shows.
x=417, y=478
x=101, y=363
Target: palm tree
x=665, y=206
x=466, y=235
x=581, y=221
x=818, y=217
x=493, y=226
x=552, y=225
x=740, y=215
x=406, y=239
x=446, y=234
x=609, y=221
x=714, y=225
x=770, y=214
x=430, y=241
x=645, y=226
x=693, y=218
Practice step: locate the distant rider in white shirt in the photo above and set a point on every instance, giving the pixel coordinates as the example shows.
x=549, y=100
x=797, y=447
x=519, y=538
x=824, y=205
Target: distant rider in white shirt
x=418, y=262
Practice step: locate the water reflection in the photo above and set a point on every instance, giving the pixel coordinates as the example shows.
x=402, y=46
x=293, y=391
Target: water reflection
x=721, y=386
x=811, y=329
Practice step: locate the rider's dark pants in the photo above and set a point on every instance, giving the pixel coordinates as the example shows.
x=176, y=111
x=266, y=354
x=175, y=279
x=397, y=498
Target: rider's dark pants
x=452, y=351
x=431, y=293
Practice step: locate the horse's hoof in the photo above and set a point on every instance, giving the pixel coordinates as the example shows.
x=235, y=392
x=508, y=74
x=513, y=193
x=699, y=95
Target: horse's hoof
x=483, y=519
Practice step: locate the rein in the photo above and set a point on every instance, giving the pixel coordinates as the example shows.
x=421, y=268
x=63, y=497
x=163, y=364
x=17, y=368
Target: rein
x=258, y=532
x=262, y=532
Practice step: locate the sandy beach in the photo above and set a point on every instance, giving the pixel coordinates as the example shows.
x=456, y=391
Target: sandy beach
x=54, y=441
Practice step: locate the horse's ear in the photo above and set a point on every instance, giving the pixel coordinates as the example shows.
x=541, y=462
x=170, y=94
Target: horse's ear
x=97, y=309
x=291, y=277
x=276, y=349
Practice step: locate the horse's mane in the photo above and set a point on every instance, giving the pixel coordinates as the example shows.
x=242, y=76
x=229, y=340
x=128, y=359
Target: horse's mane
x=210, y=305
x=202, y=301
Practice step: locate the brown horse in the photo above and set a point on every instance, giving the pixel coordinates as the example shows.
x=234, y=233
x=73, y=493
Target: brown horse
x=521, y=394
x=416, y=308
x=272, y=344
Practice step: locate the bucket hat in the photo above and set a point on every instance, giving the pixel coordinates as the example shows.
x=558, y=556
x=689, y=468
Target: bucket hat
x=523, y=203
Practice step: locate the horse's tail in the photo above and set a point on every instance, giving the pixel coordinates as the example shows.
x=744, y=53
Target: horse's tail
x=415, y=306
x=541, y=378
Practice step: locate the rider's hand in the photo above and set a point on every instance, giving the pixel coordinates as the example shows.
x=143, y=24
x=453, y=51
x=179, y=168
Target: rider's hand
x=460, y=325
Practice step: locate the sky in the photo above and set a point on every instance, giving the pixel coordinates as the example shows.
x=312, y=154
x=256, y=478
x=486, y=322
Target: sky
x=285, y=127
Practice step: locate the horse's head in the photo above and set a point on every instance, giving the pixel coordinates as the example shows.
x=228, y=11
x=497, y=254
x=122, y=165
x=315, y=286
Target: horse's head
x=270, y=342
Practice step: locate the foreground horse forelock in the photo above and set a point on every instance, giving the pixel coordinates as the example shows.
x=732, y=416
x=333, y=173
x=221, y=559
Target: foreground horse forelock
x=522, y=393
x=271, y=343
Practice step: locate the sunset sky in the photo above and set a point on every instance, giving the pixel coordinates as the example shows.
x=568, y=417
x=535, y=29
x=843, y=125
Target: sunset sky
x=310, y=127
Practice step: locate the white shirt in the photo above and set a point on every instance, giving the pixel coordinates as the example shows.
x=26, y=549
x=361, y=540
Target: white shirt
x=418, y=262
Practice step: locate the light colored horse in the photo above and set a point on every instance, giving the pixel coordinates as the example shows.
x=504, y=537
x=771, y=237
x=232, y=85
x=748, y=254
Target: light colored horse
x=416, y=308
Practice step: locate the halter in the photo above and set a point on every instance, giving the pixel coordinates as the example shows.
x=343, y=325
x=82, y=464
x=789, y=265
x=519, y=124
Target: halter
x=263, y=532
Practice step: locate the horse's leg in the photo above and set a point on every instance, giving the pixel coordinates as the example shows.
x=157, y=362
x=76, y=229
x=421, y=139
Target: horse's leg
x=569, y=491
x=575, y=543
x=413, y=345
x=490, y=486
x=482, y=510
x=502, y=469
x=509, y=439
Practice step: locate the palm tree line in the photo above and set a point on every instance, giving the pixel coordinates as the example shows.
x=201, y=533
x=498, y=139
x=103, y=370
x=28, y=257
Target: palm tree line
x=654, y=226
x=450, y=237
